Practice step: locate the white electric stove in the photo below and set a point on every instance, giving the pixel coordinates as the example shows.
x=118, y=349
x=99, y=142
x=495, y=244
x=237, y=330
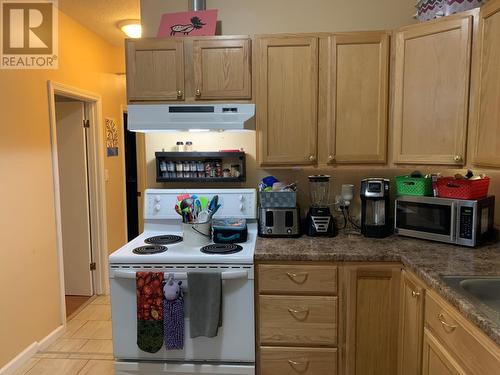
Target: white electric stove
x=160, y=249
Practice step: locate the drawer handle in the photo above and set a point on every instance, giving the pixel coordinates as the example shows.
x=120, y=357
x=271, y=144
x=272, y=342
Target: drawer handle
x=298, y=278
x=299, y=366
x=300, y=311
x=447, y=326
x=415, y=294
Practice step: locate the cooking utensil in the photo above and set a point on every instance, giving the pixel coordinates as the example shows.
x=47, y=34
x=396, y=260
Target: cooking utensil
x=213, y=203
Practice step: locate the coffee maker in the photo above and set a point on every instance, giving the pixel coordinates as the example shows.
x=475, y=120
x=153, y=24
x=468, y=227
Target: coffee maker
x=375, y=208
x=319, y=221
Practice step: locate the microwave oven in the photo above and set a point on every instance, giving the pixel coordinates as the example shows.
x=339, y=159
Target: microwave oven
x=456, y=221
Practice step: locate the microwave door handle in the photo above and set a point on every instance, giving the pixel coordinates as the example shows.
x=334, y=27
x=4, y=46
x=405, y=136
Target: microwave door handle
x=454, y=226
x=228, y=275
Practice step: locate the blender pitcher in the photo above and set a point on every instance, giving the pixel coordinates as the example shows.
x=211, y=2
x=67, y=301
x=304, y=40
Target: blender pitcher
x=319, y=189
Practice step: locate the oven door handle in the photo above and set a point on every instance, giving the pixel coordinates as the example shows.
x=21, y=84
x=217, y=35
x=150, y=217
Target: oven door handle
x=227, y=275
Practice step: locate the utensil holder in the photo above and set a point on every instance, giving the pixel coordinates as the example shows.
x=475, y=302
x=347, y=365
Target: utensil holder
x=197, y=234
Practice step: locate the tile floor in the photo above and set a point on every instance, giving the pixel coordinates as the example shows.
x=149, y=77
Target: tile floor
x=85, y=348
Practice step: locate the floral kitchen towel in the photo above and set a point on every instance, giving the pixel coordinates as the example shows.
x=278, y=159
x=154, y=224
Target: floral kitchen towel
x=149, y=292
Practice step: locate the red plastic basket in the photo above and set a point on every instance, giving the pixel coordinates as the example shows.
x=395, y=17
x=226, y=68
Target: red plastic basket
x=449, y=187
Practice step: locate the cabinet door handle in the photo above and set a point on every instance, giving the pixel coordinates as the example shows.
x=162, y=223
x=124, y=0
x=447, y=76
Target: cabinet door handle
x=331, y=158
x=179, y=93
x=446, y=325
x=300, y=311
x=312, y=157
x=458, y=158
x=299, y=366
x=415, y=294
x=298, y=278
x=197, y=92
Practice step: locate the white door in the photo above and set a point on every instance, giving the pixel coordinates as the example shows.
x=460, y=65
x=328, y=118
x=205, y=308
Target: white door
x=74, y=194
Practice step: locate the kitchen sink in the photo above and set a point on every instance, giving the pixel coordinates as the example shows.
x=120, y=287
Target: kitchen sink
x=482, y=289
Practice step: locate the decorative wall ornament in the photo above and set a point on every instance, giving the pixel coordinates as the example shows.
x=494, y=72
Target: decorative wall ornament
x=195, y=23
x=111, y=137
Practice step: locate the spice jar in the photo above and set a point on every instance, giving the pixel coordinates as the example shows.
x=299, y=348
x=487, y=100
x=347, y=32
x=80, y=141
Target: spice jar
x=189, y=146
x=180, y=146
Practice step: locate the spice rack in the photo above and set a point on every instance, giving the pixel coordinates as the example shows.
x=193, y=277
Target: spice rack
x=200, y=166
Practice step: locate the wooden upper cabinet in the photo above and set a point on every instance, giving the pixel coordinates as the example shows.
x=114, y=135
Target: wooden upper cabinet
x=411, y=325
x=287, y=99
x=487, y=116
x=155, y=69
x=222, y=69
x=431, y=91
x=358, y=98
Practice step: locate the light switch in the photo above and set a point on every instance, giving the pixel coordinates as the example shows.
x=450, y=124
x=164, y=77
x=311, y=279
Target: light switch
x=106, y=175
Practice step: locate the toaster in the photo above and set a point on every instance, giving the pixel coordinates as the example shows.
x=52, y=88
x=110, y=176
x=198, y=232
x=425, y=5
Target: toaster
x=279, y=222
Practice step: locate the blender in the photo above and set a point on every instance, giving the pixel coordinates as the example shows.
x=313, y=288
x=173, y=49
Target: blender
x=319, y=220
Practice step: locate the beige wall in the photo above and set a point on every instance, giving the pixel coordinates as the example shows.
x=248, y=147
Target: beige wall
x=341, y=175
x=29, y=280
x=278, y=16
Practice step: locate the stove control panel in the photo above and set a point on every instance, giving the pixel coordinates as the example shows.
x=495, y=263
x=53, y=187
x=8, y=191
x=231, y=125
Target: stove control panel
x=160, y=203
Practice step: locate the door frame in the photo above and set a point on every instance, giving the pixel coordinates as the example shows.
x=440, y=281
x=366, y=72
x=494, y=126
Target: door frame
x=97, y=192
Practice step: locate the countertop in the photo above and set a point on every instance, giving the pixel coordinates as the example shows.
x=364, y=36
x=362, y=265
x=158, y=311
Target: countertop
x=426, y=259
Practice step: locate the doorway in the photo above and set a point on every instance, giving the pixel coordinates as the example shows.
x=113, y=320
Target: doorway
x=135, y=178
x=131, y=186
x=79, y=195
x=72, y=155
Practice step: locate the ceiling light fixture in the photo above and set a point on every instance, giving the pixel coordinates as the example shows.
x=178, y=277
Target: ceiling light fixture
x=131, y=28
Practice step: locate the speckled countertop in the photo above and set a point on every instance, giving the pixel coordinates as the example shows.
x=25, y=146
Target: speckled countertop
x=426, y=259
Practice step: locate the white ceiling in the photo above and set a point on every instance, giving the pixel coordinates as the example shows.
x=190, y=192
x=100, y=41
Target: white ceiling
x=101, y=16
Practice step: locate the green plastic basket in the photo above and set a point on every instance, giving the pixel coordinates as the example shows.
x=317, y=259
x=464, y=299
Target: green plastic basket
x=406, y=185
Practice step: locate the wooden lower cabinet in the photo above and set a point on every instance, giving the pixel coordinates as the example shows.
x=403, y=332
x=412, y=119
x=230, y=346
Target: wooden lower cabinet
x=411, y=325
x=296, y=320
x=436, y=359
x=306, y=361
x=369, y=318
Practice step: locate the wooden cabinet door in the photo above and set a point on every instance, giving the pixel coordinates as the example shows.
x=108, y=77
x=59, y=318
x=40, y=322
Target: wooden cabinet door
x=155, y=69
x=358, y=98
x=431, y=91
x=287, y=100
x=436, y=359
x=222, y=69
x=487, y=116
x=411, y=326
x=369, y=319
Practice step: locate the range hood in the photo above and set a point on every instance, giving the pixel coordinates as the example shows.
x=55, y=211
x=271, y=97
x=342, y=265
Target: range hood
x=148, y=118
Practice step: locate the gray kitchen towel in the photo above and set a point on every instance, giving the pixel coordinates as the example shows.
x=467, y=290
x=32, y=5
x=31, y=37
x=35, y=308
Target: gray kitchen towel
x=205, y=303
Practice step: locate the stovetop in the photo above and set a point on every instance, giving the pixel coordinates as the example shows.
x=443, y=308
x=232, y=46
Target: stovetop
x=180, y=253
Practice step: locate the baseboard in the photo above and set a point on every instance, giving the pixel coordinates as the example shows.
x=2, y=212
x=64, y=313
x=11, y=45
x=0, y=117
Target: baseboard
x=19, y=360
x=50, y=338
x=23, y=357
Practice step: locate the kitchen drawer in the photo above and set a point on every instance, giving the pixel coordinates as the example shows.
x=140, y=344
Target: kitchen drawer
x=297, y=279
x=304, y=361
x=298, y=320
x=470, y=346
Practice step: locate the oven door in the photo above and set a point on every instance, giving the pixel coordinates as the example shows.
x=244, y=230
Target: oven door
x=426, y=217
x=235, y=342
